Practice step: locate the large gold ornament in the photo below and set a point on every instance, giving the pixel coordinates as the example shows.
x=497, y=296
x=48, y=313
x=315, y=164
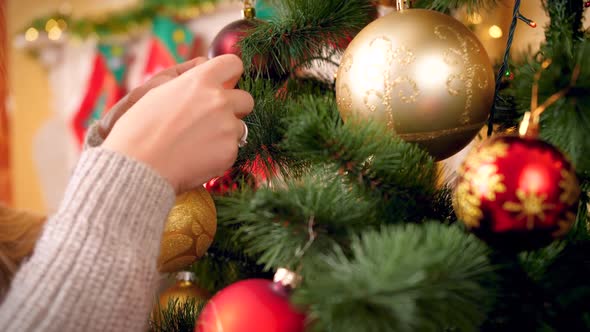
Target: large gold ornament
x=189, y=230
x=422, y=73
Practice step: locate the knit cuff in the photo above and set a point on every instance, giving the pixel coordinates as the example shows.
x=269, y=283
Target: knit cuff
x=129, y=198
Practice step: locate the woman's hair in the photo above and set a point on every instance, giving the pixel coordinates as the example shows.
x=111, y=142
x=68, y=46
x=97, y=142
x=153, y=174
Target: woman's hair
x=19, y=232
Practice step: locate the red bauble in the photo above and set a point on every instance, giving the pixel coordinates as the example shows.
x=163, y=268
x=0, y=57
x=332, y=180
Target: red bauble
x=255, y=305
x=230, y=181
x=518, y=193
x=253, y=174
x=226, y=41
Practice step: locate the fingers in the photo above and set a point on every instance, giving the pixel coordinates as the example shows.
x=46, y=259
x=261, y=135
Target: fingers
x=231, y=83
x=179, y=69
x=108, y=121
x=165, y=76
x=241, y=102
x=224, y=70
x=186, y=66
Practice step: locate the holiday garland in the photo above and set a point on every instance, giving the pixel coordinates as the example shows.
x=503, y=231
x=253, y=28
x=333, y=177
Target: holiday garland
x=126, y=21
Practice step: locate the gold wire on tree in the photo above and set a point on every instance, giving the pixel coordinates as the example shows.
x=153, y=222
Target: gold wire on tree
x=249, y=11
x=287, y=277
x=529, y=127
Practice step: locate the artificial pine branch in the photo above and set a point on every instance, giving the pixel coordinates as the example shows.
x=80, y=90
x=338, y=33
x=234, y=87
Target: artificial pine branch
x=302, y=29
x=178, y=316
x=543, y=289
x=401, y=278
x=269, y=121
x=277, y=224
x=215, y=272
x=565, y=285
x=400, y=174
x=226, y=260
x=442, y=205
x=581, y=229
x=568, y=53
x=572, y=111
x=566, y=21
x=266, y=124
x=448, y=5
x=519, y=301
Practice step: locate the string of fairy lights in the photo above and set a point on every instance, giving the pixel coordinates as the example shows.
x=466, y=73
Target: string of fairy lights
x=54, y=29
x=56, y=26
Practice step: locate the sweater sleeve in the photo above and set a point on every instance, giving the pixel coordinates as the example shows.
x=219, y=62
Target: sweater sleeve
x=94, y=267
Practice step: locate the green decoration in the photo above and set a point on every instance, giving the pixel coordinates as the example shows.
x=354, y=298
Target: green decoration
x=265, y=9
x=115, y=58
x=176, y=37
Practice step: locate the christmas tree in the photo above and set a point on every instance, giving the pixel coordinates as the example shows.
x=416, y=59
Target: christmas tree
x=338, y=181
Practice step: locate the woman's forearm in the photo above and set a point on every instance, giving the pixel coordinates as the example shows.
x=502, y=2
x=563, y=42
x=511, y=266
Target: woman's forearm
x=94, y=267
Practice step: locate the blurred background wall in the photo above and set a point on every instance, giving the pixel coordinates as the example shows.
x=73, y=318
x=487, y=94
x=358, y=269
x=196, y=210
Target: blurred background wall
x=29, y=102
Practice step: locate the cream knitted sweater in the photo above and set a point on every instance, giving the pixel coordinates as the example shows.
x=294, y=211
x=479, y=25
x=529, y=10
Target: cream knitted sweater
x=94, y=267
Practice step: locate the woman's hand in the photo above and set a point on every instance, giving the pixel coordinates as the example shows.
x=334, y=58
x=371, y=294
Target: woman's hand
x=187, y=129
x=107, y=122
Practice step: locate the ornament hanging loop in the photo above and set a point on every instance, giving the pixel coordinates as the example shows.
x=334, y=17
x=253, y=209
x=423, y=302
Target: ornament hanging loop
x=248, y=12
x=402, y=5
x=287, y=278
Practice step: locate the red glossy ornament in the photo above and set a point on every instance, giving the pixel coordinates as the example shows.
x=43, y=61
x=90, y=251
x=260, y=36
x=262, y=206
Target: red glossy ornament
x=226, y=41
x=230, y=182
x=518, y=193
x=253, y=174
x=254, y=305
x=586, y=4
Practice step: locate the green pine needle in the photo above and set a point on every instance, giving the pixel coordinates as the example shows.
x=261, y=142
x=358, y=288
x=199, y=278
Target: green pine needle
x=567, y=50
x=302, y=29
x=368, y=154
x=226, y=260
x=178, y=316
x=275, y=224
x=402, y=278
x=448, y=5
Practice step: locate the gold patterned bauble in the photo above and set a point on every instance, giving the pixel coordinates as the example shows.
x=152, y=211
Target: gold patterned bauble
x=422, y=73
x=185, y=289
x=189, y=230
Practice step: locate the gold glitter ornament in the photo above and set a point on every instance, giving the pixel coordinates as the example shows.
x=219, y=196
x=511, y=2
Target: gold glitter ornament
x=189, y=230
x=422, y=73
